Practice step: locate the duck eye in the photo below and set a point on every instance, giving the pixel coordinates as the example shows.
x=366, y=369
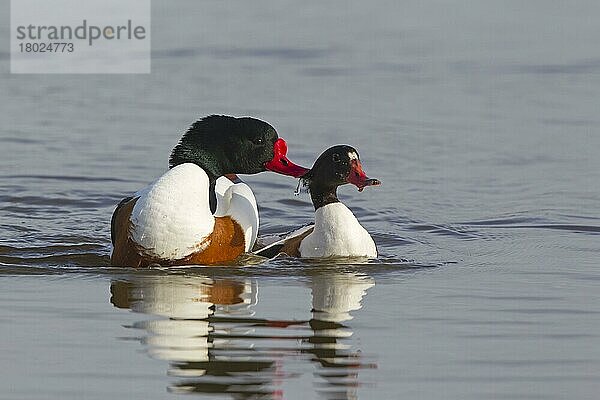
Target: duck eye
x=258, y=141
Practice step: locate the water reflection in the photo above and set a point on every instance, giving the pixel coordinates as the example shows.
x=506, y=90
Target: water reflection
x=208, y=331
x=334, y=296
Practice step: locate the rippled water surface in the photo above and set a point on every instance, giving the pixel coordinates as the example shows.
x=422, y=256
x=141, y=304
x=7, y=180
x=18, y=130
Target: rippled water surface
x=480, y=118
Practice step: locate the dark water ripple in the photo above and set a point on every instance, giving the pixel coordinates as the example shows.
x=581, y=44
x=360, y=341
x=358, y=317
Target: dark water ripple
x=64, y=178
x=277, y=53
x=571, y=228
x=533, y=223
x=64, y=256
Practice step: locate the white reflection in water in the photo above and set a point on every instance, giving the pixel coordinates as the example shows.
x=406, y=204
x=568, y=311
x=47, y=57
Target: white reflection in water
x=215, y=344
x=335, y=295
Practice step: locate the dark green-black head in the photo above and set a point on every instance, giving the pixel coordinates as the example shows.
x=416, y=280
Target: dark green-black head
x=223, y=145
x=336, y=166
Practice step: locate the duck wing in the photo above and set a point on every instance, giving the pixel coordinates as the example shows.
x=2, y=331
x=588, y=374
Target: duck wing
x=116, y=214
x=287, y=243
x=235, y=199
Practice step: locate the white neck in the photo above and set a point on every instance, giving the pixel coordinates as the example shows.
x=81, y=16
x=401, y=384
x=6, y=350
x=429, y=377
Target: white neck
x=337, y=232
x=172, y=217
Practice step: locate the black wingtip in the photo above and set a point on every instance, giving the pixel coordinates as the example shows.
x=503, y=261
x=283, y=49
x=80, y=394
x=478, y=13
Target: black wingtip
x=270, y=251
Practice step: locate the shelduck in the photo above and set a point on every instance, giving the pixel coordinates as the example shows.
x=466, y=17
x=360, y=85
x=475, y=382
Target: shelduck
x=336, y=231
x=199, y=212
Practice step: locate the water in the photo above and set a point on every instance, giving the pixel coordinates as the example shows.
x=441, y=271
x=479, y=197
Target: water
x=481, y=120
